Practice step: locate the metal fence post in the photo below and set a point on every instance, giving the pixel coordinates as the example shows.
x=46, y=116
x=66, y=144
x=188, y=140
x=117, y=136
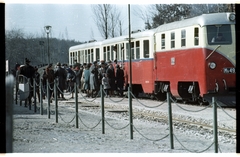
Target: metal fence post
x=56, y=100
x=102, y=108
x=30, y=92
x=215, y=125
x=130, y=112
x=41, y=101
x=34, y=95
x=9, y=85
x=48, y=98
x=170, y=120
x=76, y=102
x=16, y=90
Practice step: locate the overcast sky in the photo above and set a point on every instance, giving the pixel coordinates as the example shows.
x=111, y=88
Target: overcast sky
x=72, y=21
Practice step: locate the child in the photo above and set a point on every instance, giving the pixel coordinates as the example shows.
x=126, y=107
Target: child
x=106, y=84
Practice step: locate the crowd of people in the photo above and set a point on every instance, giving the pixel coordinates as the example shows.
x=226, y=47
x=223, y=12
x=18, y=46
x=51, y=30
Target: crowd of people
x=87, y=76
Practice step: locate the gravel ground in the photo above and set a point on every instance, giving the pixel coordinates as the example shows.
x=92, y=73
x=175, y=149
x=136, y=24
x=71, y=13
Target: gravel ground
x=35, y=133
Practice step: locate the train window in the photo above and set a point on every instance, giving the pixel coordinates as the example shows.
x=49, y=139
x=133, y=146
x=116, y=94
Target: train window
x=112, y=48
x=117, y=51
x=127, y=53
x=86, y=61
x=132, y=50
x=172, y=40
x=97, y=54
x=108, y=53
x=146, y=48
x=196, y=36
x=78, y=56
x=183, y=38
x=104, y=53
x=92, y=56
x=122, y=51
x=82, y=56
x=163, y=41
x=219, y=34
x=137, y=49
x=88, y=56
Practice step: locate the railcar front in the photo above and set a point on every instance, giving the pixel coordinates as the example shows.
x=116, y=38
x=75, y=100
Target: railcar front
x=190, y=60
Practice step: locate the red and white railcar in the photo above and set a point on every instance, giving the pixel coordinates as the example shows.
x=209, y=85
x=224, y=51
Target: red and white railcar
x=192, y=58
x=196, y=57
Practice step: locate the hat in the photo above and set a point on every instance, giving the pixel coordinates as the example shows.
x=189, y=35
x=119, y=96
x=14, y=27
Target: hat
x=49, y=65
x=17, y=65
x=58, y=64
x=27, y=60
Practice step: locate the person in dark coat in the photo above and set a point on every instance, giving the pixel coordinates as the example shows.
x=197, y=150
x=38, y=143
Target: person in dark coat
x=49, y=76
x=111, y=76
x=94, y=82
x=61, y=75
x=37, y=81
x=102, y=70
x=78, y=73
x=106, y=84
x=119, y=79
x=28, y=71
x=71, y=79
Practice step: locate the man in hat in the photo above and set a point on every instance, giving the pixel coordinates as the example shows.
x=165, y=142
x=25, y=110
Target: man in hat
x=61, y=75
x=119, y=79
x=28, y=71
x=49, y=76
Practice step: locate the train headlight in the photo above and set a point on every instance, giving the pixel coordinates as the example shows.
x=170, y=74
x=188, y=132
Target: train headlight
x=212, y=65
x=232, y=17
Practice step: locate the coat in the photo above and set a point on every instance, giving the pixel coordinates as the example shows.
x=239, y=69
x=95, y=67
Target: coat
x=61, y=75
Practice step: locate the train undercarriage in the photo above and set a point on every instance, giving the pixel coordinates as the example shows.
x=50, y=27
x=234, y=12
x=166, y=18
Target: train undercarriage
x=189, y=92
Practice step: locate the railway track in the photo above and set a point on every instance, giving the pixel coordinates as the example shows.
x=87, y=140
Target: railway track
x=154, y=116
x=186, y=122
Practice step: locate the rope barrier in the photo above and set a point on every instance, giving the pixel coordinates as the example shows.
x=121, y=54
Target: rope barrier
x=191, y=150
x=87, y=126
x=146, y=105
x=65, y=121
x=187, y=109
x=115, y=127
x=149, y=138
x=225, y=112
x=114, y=100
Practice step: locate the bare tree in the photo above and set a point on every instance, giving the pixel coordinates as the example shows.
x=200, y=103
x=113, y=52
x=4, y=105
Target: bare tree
x=144, y=12
x=106, y=17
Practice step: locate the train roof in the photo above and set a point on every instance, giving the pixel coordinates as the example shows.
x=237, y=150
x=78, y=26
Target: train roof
x=137, y=35
x=202, y=20
x=85, y=45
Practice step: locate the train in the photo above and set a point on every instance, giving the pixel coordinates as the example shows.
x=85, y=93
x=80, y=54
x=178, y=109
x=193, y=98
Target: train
x=194, y=59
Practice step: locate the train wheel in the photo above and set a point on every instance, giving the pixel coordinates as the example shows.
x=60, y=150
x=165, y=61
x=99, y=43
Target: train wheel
x=202, y=102
x=161, y=96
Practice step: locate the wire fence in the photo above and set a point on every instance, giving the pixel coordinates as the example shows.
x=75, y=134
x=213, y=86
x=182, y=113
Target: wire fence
x=52, y=88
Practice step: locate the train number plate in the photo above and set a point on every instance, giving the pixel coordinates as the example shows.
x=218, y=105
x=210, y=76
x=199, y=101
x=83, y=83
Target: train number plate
x=228, y=70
